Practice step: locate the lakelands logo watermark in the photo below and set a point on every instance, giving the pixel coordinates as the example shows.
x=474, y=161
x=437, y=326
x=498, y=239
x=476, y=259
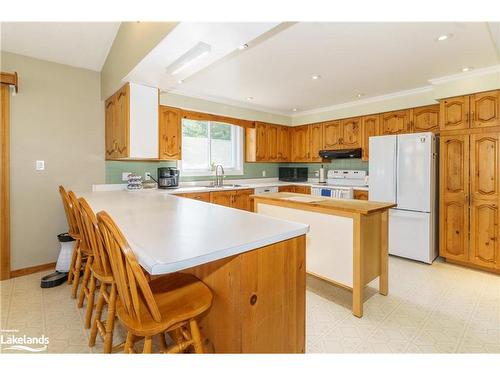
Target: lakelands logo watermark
x=11, y=340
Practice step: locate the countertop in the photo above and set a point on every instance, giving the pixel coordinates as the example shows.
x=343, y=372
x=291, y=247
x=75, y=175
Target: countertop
x=169, y=233
x=346, y=205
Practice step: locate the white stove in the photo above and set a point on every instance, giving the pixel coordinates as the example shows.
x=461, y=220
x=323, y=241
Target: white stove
x=340, y=183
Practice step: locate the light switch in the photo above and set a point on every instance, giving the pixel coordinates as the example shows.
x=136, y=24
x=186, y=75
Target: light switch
x=40, y=165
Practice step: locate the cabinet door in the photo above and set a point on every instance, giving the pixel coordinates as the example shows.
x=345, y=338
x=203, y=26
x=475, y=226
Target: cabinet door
x=109, y=121
x=485, y=109
x=224, y=198
x=425, y=119
x=316, y=131
x=332, y=134
x=484, y=247
x=242, y=201
x=360, y=194
x=300, y=144
x=272, y=143
x=454, y=188
x=205, y=197
x=396, y=122
x=302, y=189
x=454, y=113
x=370, y=127
x=122, y=122
x=283, y=143
x=261, y=140
x=351, y=133
x=170, y=133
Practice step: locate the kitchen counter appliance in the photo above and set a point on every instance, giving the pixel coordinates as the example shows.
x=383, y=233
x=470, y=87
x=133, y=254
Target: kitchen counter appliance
x=168, y=178
x=293, y=174
x=340, y=183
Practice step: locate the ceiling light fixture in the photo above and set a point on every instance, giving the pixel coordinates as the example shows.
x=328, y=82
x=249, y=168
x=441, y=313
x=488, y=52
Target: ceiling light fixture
x=315, y=76
x=199, y=50
x=294, y=109
x=243, y=46
x=360, y=95
x=466, y=69
x=180, y=81
x=443, y=37
x=249, y=97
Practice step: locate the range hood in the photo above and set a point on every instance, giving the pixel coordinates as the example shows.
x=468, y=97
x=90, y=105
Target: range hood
x=353, y=153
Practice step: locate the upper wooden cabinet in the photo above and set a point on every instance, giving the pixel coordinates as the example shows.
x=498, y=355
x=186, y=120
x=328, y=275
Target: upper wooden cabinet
x=262, y=145
x=272, y=142
x=300, y=143
x=425, y=119
x=316, y=134
x=479, y=110
x=332, y=135
x=370, y=126
x=117, y=124
x=267, y=143
x=396, y=122
x=170, y=131
x=351, y=133
x=283, y=143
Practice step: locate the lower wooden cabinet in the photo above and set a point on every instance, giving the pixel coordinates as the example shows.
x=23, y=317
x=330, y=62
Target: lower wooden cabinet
x=286, y=189
x=239, y=199
x=301, y=189
x=205, y=197
x=484, y=244
x=360, y=194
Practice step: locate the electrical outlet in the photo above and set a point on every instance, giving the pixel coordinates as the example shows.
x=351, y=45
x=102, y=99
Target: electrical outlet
x=125, y=176
x=40, y=165
x=264, y=173
x=147, y=176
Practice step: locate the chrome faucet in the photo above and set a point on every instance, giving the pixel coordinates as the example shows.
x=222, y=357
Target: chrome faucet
x=219, y=178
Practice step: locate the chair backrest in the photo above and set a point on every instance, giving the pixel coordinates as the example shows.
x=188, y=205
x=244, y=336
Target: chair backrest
x=94, y=237
x=68, y=209
x=84, y=244
x=130, y=281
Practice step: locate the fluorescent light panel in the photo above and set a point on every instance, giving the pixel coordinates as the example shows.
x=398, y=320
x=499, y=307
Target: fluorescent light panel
x=199, y=50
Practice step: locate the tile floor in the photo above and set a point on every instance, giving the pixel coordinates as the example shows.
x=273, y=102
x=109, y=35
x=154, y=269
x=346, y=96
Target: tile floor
x=441, y=308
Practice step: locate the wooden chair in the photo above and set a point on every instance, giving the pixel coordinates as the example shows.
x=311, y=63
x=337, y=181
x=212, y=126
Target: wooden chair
x=72, y=229
x=83, y=252
x=100, y=271
x=168, y=304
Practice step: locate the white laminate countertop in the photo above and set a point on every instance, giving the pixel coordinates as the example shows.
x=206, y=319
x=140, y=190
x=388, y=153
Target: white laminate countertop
x=169, y=233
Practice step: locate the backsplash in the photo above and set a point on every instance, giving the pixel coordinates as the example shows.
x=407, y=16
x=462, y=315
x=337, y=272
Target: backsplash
x=114, y=169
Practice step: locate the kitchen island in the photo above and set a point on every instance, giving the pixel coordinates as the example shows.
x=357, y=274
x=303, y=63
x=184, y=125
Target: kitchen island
x=254, y=265
x=347, y=241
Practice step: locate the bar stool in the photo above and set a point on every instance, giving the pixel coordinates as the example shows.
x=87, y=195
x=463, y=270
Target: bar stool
x=168, y=304
x=100, y=272
x=72, y=229
x=83, y=253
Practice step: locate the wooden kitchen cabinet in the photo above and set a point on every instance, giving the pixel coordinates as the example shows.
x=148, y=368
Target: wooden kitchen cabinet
x=302, y=189
x=485, y=109
x=223, y=198
x=360, y=194
x=425, y=119
x=370, y=126
x=233, y=198
x=205, y=196
x=283, y=143
x=261, y=141
x=170, y=133
x=332, y=135
x=300, y=143
x=109, y=120
x=272, y=142
x=316, y=134
x=267, y=143
x=117, y=124
x=351, y=133
x=395, y=122
x=286, y=189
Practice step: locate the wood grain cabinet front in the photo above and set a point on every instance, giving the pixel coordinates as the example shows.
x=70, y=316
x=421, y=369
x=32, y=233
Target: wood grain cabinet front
x=300, y=143
x=332, y=135
x=170, y=133
x=239, y=199
x=370, y=127
x=117, y=124
x=351, y=133
x=204, y=197
x=316, y=132
x=425, y=119
x=396, y=122
x=360, y=194
x=454, y=113
x=485, y=109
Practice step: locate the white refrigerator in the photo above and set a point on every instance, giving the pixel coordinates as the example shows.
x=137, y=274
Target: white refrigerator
x=403, y=170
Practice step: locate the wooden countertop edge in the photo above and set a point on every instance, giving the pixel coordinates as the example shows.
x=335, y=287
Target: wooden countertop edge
x=321, y=205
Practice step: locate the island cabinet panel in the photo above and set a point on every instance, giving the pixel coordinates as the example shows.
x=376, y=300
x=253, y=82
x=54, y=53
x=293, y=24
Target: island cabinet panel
x=454, y=113
x=351, y=133
x=316, y=132
x=396, y=122
x=485, y=109
x=454, y=188
x=370, y=127
x=425, y=119
x=332, y=135
x=170, y=131
x=300, y=143
x=259, y=300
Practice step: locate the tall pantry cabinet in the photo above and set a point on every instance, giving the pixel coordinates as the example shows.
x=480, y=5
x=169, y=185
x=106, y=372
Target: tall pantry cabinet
x=470, y=180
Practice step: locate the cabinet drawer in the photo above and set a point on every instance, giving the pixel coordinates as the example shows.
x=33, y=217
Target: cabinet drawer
x=205, y=197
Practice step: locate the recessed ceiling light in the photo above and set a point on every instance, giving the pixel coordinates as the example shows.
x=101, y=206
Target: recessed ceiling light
x=444, y=37
x=360, y=95
x=180, y=81
x=315, y=76
x=243, y=46
x=294, y=109
x=249, y=97
x=466, y=69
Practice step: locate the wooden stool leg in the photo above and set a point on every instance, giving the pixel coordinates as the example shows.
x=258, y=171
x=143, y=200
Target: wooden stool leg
x=85, y=282
x=129, y=343
x=73, y=261
x=196, y=336
x=90, y=302
x=76, y=270
x=98, y=314
x=110, y=321
x=163, y=342
x=148, y=345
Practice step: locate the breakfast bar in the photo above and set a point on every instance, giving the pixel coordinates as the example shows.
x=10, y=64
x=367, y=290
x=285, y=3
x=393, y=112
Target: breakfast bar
x=347, y=242
x=254, y=265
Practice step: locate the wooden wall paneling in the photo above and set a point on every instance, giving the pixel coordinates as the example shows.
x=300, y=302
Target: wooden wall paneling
x=485, y=109
x=370, y=126
x=4, y=182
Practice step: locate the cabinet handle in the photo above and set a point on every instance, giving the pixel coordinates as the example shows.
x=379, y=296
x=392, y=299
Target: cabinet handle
x=466, y=117
x=472, y=116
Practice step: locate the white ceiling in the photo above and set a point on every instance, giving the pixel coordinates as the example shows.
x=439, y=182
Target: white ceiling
x=369, y=58
x=80, y=44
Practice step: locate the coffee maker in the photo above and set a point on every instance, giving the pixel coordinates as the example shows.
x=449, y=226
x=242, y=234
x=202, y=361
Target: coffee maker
x=168, y=178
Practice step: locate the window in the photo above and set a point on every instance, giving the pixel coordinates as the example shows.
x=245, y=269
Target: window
x=208, y=143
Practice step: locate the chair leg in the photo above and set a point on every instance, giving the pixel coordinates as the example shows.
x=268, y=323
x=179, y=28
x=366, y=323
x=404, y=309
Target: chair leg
x=148, y=345
x=73, y=261
x=76, y=270
x=163, y=342
x=90, y=301
x=196, y=336
x=110, y=321
x=98, y=313
x=84, y=290
x=129, y=343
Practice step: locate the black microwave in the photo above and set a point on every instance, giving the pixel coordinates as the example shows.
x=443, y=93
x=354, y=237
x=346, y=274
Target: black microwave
x=293, y=174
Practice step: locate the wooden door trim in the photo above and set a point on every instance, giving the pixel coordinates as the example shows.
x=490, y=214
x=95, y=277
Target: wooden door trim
x=5, y=181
